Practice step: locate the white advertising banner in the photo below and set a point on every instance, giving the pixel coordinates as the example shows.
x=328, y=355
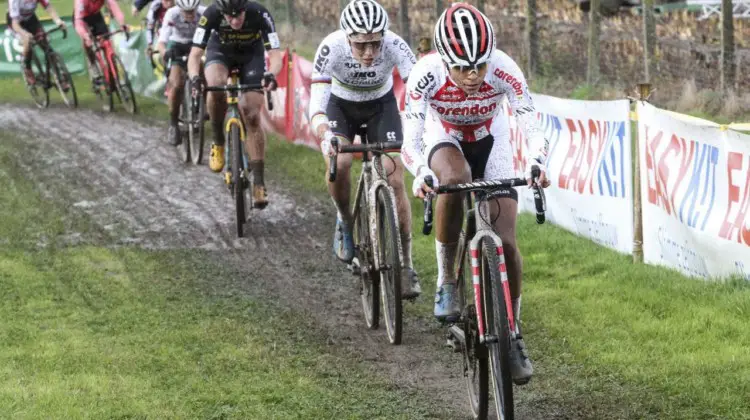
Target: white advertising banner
x=589, y=166
x=695, y=189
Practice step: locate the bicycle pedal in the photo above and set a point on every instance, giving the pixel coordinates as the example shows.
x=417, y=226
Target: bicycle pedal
x=228, y=178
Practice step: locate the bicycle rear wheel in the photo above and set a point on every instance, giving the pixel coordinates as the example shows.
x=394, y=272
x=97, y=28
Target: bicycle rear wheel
x=369, y=285
x=476, y=367
x=196, y=133
x=39, y=90
x=496, y=321
x=238, y=179
x=390, y=265
x=122, y=82
x=63, y=81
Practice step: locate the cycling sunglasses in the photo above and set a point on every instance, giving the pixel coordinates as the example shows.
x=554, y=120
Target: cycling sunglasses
x=362, y=46
x=463, y=69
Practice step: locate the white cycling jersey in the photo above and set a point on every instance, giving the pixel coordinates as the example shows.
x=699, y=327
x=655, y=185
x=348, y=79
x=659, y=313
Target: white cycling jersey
x=434, y=100
x=337, y=72
x=24, y=9
x=176, y=29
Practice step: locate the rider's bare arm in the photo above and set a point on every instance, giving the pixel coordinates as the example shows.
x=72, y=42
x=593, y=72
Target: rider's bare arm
x=275, y=58
x=53, y=14
x=194, y=62
x=116, y=12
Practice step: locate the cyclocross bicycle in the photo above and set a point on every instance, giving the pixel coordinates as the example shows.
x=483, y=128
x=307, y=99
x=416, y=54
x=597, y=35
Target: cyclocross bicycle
x=486, y=326
x=114, y=79
x=236, y=172
x=377, y=241
x=193, y=119
x=54, y=73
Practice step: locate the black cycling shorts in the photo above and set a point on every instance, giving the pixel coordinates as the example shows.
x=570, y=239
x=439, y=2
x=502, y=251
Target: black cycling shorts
x=30, y=25
x=252, y=63
x=381, y=116
x=476, y=154
x=178, y=52
x=96, y=24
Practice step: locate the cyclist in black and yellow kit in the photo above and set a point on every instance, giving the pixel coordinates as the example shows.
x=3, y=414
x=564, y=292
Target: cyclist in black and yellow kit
x=237, y=34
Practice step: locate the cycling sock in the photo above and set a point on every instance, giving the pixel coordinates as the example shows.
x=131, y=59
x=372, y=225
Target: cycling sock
x=256, y=166
x=446, y=254
x=406, y=248
x=27, y=61
x=218, y=128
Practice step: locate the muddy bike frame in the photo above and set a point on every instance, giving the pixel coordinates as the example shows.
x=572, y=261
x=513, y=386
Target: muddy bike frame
x=106, y=59
x=484, y=278
x=371, y=180
x=53, y=64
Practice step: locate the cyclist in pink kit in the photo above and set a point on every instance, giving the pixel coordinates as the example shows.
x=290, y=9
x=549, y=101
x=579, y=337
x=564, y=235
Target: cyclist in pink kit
x=87, y=14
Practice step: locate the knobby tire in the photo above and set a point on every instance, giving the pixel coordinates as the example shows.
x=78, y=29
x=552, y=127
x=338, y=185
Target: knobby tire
x=390, y=273
x=369, y=285
x=238, y=187
x=496, y=320
x=124, y=89
x=39, y=90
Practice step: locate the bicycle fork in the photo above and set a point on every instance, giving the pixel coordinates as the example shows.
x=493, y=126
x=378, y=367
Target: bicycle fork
x=233, y=119
x=476, y=279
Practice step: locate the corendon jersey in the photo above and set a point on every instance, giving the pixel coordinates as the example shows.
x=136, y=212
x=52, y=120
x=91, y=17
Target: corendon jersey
x=432, y=95
x=24, y=9
x=337, y=72
x=176, y=29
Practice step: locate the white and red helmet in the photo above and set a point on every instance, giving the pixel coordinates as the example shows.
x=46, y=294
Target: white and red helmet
x=464, y=36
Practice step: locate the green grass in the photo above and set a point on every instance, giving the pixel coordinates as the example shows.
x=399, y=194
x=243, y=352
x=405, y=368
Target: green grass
x=627, y=341
x=91, y=332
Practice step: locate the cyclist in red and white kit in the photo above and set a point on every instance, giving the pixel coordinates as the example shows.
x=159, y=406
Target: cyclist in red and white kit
x=21, y=17
x=87, y=14
x=454, y=132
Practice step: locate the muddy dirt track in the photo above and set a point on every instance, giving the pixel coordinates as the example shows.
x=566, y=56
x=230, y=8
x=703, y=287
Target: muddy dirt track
x=130, y=183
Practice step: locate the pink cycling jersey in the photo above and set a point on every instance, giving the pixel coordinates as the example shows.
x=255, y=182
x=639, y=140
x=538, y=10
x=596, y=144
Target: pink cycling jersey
x=85, y=8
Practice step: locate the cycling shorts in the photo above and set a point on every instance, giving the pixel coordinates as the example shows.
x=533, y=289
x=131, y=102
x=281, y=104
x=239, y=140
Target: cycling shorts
x=252, y=63
x=96, y=24
x=180, y=50
x=381, y=116
x=489, y=158
x=30, y=25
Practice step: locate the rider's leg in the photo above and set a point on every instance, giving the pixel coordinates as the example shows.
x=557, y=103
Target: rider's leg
x=216, y=74
x=176, y=93
x=450, y=166
x=250, y=106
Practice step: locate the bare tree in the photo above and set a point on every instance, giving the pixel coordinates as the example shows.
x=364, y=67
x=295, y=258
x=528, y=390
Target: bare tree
x=595, y=18
x=727, y=46
x=649, y=40
x=532, y=39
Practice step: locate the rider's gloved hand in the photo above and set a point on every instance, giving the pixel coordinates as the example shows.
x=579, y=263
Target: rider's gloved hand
x=419, y=187
x=59, y=22
x=269, y=81
x=542, y=179
x=325, y=145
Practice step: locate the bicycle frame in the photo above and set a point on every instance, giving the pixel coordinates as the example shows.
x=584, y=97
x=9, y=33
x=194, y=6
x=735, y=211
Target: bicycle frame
x=370, y=185
x=476, y=277
x=233, y=116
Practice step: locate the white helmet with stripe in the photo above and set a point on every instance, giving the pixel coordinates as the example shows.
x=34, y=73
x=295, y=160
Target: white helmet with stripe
x=364, y=17
x=188, y=5
x=464, y=36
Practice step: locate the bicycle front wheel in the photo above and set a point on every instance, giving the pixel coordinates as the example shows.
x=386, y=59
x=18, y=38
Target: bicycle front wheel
x=239, y=185
x=63, y=81
x=476, y=368
x=197, y=132
x=390, y=265
x=39, y=89
x=185, y=122
x=496, y=321
x=369, y=285
x=122, y=82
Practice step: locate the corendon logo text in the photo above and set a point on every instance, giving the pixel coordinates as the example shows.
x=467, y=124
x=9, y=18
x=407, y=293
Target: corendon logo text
x=507, y=77
x=466, y=110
